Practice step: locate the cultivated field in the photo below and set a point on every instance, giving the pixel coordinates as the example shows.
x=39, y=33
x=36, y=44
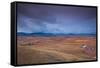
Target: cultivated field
x=37, y=50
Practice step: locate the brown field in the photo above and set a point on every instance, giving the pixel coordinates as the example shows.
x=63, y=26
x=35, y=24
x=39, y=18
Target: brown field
x=36, y=50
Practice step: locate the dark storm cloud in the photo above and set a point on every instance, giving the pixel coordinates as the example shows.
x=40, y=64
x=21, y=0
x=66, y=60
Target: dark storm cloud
x=55, y=19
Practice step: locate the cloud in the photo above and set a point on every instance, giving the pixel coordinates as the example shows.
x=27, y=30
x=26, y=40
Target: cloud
x=30, y=25
x=58, y=19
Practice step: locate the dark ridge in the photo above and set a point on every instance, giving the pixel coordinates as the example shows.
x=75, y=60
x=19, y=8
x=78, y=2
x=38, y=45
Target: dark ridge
x=54, y=34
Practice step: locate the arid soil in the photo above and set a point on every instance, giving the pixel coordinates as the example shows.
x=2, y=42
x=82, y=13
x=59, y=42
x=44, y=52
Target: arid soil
x=37, y=50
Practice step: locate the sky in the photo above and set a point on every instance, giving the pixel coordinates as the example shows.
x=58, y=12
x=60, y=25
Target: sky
x=33, y=18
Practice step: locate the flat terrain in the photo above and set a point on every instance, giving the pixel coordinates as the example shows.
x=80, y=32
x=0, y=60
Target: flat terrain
x=36, y=50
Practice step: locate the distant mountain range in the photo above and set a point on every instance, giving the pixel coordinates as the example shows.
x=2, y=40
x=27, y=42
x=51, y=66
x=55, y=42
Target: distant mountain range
x=50, y=34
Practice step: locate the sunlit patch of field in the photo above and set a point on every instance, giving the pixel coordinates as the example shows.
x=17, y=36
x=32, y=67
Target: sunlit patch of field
x=36, y=50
